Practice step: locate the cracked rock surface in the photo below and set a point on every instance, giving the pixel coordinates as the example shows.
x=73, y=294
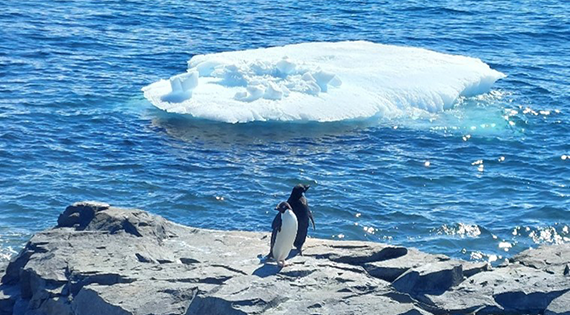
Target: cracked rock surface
x=105, y=260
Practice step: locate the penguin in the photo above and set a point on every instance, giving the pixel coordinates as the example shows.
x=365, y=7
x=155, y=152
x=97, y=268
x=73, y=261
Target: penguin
x=284, y=232
x=298, y=202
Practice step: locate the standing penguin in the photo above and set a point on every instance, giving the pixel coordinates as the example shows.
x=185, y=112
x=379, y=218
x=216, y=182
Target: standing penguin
x=301, y=208
x=284, y=232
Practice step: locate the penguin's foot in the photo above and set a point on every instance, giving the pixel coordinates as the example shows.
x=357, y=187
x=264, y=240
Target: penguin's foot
x=300, y=252
x=282, y=264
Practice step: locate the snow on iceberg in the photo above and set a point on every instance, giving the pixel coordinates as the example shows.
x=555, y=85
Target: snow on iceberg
x=320, y=82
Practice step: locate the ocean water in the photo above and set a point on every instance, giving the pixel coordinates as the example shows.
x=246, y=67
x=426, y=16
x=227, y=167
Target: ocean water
x=74, y=124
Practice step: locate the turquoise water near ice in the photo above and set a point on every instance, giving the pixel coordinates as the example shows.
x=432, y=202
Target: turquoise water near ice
x=75, y=126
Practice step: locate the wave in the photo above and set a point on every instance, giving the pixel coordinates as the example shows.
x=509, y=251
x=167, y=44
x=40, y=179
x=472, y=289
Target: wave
x=320, y=81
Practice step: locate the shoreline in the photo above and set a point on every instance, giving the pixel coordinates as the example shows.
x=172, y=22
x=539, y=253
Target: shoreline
x=105, y=260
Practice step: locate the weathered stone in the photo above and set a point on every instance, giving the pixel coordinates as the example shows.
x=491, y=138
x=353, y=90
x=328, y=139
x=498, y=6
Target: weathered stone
x=430, y=278
x=471, y=268
x=514, y=289
x=56, y=305
x=106, y=260
x=559, y=306
x=80, y=214
x=390, y=269
x=324, y=291
x=354, y=253
x=12, y=272
x=553, y=259
x=242, y=295
x=8, y=296
x=356, y=304
x=141, y=297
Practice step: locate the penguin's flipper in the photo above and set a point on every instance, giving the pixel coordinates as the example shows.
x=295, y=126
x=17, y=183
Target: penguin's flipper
x=276, y=226
x=312, y=219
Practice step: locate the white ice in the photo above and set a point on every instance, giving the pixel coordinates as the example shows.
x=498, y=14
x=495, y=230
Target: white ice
x=320, y=82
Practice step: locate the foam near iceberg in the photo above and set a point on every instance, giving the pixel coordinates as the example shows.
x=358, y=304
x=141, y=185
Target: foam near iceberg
x=320, y=82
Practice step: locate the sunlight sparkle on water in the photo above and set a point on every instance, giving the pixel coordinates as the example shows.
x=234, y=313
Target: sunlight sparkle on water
x=460, y=229
x=505, y=246
x=369, y=230
x=529, y=110
x=547, y=235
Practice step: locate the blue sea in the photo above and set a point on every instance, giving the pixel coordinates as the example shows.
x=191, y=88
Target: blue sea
x=481, y=181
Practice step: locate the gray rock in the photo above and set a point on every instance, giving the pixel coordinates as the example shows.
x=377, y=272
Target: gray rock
x=8, y=297
x=358, y=304
x=390, y=269
x=354, y=253
x=514, y=289
x=105, y=260
x=473, y=268
x=80, y=214
x=140, y=297
x=553, y=259
x=559, y=306
x=430, y=278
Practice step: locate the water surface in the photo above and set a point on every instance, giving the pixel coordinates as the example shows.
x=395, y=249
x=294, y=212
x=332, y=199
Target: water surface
x=74, y=125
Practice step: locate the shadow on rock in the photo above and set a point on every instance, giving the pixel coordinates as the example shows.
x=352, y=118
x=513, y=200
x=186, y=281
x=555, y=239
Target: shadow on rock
x=266, y=270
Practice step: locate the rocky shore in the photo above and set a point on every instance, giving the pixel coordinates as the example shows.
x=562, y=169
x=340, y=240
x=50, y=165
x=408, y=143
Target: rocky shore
x=101, y=260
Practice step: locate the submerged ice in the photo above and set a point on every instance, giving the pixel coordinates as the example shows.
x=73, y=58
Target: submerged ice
x=320, y=82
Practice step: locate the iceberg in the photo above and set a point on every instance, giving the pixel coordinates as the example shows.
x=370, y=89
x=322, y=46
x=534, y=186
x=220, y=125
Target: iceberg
x=320, y=81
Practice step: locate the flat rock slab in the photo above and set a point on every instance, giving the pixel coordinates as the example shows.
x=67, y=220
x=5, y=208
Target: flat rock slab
x=391, y=269
x=559, y=306
x=513, y=289
x=105, y=260
x=430, y=278
x=140, y=297
x=552, y=259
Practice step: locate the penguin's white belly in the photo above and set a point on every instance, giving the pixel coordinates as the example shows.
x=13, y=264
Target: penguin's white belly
x=285, y=238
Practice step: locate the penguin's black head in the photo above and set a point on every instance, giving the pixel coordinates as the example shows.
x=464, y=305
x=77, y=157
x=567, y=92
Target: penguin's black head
x=298, y=190
x=283, y=206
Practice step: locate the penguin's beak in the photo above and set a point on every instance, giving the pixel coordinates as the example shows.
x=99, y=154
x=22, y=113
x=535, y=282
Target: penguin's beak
x=277, y=208
x=307, y=187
